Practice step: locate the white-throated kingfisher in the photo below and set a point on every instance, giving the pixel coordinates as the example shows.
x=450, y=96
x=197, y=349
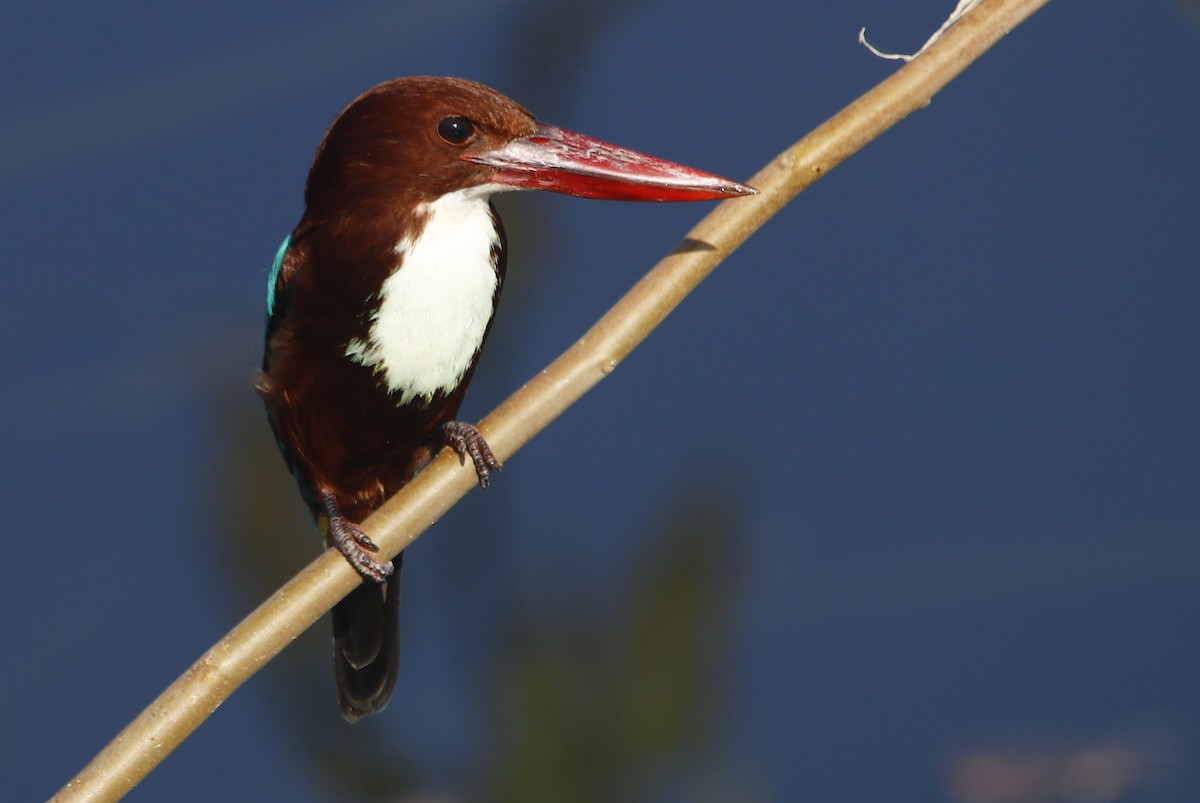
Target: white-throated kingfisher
x=379, y=302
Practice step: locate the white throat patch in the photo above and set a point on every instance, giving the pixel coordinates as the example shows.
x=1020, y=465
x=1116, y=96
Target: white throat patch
x=434, y=309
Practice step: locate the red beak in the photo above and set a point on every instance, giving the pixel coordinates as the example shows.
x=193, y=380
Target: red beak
x=563, y=161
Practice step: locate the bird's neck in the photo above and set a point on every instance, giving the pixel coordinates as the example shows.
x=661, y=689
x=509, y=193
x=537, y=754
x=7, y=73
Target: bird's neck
x=431, y=314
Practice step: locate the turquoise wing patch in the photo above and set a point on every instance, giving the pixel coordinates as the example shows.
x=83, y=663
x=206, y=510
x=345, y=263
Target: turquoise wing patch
x=273, y=278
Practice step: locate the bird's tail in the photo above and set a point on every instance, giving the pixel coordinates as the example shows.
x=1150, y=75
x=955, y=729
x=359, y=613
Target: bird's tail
x=366, y=645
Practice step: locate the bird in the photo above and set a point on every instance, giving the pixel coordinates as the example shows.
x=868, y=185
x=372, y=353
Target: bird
x=380, y=300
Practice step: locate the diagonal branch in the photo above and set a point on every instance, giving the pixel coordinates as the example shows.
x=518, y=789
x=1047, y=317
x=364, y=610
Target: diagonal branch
x=264, y=633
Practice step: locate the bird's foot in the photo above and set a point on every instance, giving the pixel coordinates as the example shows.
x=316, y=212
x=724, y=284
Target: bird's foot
x=467, y=442
x=353, y=543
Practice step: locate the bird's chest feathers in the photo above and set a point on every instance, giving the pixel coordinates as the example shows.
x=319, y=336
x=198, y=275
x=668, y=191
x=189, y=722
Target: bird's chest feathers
x=434, y=309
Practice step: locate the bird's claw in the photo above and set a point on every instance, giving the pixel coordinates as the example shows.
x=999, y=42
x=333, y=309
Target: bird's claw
x=349, y=539
x=354, y=544
x=466, y=441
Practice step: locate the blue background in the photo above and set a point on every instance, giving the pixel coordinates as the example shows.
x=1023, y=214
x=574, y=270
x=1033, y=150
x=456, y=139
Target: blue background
x=902, y=504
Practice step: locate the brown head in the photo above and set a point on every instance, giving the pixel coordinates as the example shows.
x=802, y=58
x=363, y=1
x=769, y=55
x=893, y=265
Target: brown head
x=415, y=139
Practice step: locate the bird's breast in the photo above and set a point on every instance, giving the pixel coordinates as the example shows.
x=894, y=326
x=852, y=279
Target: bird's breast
x=433, y=310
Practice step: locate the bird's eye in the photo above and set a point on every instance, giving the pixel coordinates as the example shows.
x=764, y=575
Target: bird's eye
x=456, y=130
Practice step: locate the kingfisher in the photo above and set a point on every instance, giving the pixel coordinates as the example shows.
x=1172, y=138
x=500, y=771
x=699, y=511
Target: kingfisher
x=379, y=302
